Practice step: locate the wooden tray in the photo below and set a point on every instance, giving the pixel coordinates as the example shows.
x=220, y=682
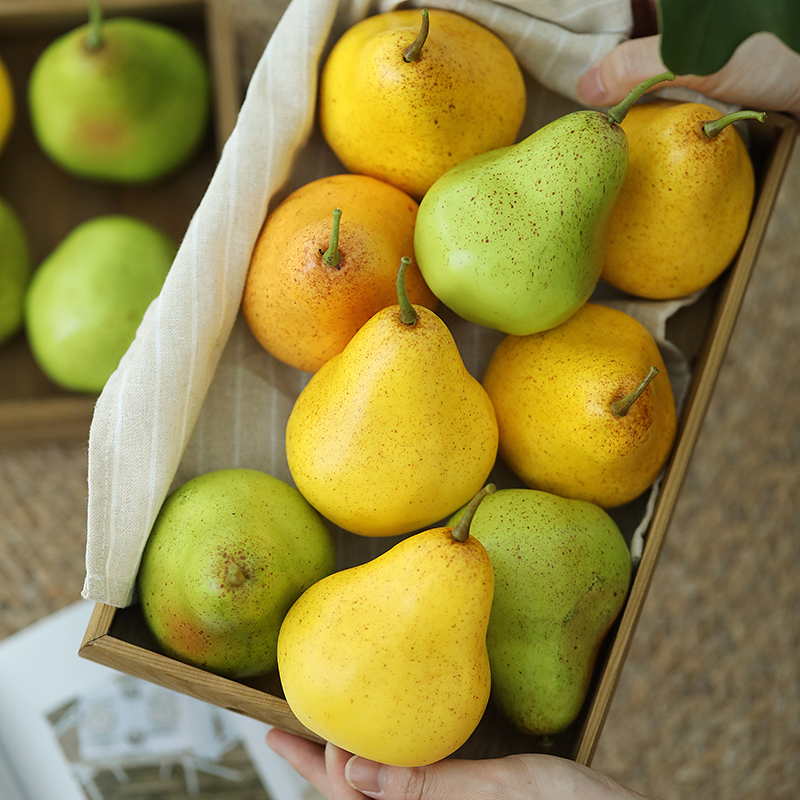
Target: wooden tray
x=119, y=637
x=50, y=202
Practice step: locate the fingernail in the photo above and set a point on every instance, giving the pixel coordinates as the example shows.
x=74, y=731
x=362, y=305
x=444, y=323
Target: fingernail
x=590, y=88
x=364, y=775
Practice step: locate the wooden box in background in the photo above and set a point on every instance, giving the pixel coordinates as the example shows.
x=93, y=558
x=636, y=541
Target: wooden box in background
x=120, y=639
x=50, y=202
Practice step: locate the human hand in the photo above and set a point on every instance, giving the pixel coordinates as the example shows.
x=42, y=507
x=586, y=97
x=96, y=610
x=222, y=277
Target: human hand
x=339, y=775
x=763, y=73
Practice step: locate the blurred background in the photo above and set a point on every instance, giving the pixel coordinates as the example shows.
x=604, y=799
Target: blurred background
x=709, y=700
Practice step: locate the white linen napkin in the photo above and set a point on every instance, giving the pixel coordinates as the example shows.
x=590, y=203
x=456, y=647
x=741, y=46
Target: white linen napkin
x=195, y=392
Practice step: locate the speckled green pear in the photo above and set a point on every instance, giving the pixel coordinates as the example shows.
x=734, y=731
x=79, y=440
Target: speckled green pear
x=514, y=239
x=229, y=553
x=562, y=573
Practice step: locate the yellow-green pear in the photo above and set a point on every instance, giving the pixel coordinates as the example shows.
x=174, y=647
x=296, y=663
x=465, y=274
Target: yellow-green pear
x=392, y=434
x=125, y=99
x=86, y=300
x=562, y=572
x=229, y=553
x=388, y=659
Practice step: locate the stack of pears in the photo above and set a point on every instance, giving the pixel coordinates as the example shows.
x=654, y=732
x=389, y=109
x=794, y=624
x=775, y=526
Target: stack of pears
x=503, y=594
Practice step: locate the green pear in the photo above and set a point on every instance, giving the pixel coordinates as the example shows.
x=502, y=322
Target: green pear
x=124, y=100
x=562, y=572
x=87, y=298
x=514, y=239
x=229, y=553
x=15, y=270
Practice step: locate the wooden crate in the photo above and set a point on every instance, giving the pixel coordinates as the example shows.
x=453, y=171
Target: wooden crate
x=119, y=637
x=50, y=202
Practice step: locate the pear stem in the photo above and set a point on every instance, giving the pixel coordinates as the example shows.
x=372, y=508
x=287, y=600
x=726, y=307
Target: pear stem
x=460, y=531
x=331, y=257
x=617, y=113
x=414, y=50
x=94, y=36
x=235, y=576
x=714, y=126
x=408, y=314
x=621, y=407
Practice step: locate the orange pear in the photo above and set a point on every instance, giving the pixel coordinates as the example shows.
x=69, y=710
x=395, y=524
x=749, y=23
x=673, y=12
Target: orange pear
x=325, y=262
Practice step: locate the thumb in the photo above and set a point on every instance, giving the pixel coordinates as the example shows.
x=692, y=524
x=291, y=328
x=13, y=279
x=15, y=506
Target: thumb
x=443, y=780
x=517, y=777
x=620, y=71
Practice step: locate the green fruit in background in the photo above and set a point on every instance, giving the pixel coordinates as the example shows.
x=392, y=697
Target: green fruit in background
x=87, y=298
x=562, y=572
x=15, y=270
x=124, y=100
x=228, y=555
x=514, y=239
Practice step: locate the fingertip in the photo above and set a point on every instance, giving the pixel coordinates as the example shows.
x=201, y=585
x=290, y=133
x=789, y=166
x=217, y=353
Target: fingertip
x=590, y=88
x=273, y=738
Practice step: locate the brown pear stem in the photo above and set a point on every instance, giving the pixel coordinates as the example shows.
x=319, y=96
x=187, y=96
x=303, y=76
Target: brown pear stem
x=94, y=35
x=714, y=126
x=235, y=576
x=408, y=314
x=621, y=407
x=460, y=531
x=414, y=50
x=331, y=257
x=617, y=113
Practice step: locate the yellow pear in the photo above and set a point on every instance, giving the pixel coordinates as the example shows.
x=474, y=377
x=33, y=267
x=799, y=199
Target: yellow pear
x=585, y=410
x=324, y=262
x=393, y=433
x=406, y=96
x=388, y=659
x=685, y=204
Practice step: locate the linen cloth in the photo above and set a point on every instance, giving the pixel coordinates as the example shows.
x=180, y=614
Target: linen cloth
x=195, y=391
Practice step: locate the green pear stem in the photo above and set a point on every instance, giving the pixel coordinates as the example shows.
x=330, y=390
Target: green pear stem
x=331, y=257
x=234, y=576
x=460, y=531
x=408, y=314
x=414, y=50
x=714, y=126
x=94, y=36
x=617, y=113
x=621, y=407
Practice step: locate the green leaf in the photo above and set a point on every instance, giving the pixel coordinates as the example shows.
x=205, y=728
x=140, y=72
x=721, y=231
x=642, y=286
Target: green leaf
x=698, y=37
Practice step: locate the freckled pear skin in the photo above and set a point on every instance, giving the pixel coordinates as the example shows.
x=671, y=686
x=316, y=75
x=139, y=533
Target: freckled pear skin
x=304, y=311
x=514, y=239
x=562, y=573
x=393, y=434
x=229, y=553
x=388, y=659
x=407, y=123
x=553, y=393
x=685, y=205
